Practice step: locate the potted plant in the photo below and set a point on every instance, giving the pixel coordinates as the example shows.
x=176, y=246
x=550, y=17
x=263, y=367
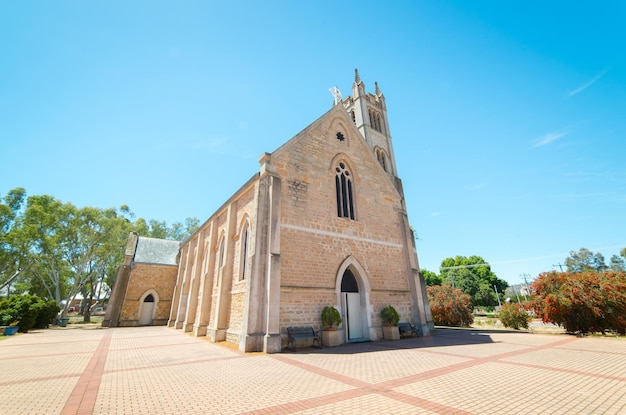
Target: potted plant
x=12, y=328
x=330, y=320
x=390, y=318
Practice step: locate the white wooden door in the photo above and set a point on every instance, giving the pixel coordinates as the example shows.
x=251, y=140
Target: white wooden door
x=145, y=313
x=353, y=316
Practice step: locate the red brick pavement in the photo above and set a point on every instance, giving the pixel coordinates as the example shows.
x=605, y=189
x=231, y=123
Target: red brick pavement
x=158, y=370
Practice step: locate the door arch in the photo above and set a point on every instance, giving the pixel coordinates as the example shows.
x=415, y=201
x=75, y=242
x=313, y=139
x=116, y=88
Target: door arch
x=351, y=305
x=147, y=307
x=353, y=292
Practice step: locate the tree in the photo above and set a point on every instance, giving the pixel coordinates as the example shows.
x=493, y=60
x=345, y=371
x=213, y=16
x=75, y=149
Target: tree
x=474, y=277
x=11, y=255
x=585, y=260
x=58, y=251
x=618, y=263
x=583, y=302
x=449, y=306
x=431, y=278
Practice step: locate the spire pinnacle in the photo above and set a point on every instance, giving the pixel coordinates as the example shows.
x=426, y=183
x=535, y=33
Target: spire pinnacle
x=377, y=88
x=357, y=78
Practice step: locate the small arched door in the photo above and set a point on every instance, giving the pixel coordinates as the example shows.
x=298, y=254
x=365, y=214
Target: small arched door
x=351, y=299
x=146, y=310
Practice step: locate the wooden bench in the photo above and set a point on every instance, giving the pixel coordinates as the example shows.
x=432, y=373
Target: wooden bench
x=301, y=333
x=407, y=329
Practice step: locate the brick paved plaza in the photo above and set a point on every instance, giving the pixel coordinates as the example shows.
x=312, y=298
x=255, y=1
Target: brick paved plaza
x=157, y=370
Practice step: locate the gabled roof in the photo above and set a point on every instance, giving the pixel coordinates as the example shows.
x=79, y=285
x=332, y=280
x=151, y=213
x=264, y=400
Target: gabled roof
x=156, y=251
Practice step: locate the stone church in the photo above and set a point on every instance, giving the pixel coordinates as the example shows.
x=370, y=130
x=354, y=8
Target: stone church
x=322, y=223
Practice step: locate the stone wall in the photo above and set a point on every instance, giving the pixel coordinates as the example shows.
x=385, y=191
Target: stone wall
x=147, y=277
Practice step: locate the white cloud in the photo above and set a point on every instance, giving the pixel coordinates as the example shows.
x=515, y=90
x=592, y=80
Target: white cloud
x=550, y=137
x=587, y=84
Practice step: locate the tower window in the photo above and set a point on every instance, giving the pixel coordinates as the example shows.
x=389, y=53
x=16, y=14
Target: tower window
x=344, y=190
x=353, y=116
x=382, y=159
x=375, y=120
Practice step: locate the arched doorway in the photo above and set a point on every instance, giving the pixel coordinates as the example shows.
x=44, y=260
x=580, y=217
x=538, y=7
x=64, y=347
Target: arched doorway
x=146, y=310
x=351, y=304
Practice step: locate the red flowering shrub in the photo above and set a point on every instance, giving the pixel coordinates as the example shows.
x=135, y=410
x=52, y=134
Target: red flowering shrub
x=514, y=316
x=584, y=302
x=449, y=306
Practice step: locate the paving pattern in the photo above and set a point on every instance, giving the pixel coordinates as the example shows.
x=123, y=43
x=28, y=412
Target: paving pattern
x=158, y=370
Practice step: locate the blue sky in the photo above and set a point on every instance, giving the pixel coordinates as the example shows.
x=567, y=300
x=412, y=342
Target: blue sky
x=508, y=118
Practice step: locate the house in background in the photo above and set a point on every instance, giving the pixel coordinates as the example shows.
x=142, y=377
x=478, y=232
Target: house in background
x=322, y=223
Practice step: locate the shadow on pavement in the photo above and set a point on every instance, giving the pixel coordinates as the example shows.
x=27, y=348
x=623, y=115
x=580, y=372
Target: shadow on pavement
x=441, y=337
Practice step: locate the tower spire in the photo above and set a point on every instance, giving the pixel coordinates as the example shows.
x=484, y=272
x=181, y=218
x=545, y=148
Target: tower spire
x=369, y=113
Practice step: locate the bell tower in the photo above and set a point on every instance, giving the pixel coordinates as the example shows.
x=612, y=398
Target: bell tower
x=369, y=113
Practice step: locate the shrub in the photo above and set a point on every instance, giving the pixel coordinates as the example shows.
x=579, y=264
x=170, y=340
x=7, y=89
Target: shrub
x=330, y=317
x=390, y=316
x=584, y=302
x=514, y=316
x=449, y=306
x=48, y=310
x=27, y=311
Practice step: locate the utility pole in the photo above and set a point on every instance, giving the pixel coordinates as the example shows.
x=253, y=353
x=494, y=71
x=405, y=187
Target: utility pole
x=525, y=284
x=558, y=265
x=497, y=295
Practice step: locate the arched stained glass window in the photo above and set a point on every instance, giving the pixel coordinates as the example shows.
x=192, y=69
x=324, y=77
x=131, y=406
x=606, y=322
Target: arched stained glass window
x=344, y=190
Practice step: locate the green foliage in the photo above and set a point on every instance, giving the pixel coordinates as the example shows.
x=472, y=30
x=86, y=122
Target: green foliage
x=449, y=306
x=389, y=315
x=584, y=260
x=584, y=302
x=514, y=316
x=27, y=311
x=618, y=263
x=61, y=250
x=431, y=278
x=48, y=310
x=330, y=317
x=474, y=277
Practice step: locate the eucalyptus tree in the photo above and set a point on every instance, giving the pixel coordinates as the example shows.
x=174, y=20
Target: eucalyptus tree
x=72, y=250
x=618, y=263
x=11, y=254
x=60, y=251
x=585, y=260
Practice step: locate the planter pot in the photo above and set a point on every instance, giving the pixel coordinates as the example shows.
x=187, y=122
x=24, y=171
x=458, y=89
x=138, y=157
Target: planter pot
x=332, y=338
x=391, y=333
x=63, y=321
x=10, y=331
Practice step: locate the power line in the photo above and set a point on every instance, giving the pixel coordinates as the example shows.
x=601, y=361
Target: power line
x=464, y=266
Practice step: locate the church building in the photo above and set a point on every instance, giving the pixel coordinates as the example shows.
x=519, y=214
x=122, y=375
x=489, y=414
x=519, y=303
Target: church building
x=322, y=223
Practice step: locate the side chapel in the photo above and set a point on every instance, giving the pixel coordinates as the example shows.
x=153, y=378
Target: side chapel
x=322, y=223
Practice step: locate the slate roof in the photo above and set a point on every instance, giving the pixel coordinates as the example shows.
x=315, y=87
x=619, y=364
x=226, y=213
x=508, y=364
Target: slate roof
x=156, y=251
